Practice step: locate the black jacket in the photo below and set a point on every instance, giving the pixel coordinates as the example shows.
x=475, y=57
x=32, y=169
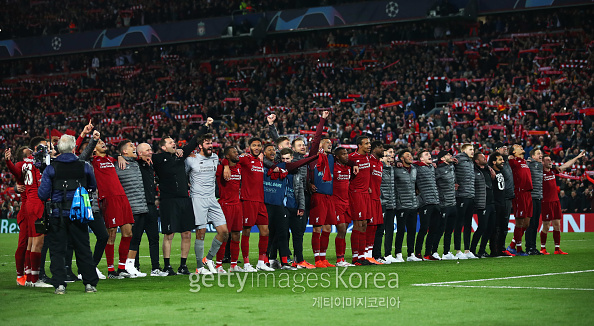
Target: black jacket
x=509, y=179
x=171, y=170
x=480, y=189
x=148, y=181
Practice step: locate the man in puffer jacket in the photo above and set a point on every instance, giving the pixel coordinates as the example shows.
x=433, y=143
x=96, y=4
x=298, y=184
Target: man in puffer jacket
x=405, y=180
x=464, y=200
x=429, y=213
x=388, y=199
x=445, y=180
x=131, y=180
x=536, y=171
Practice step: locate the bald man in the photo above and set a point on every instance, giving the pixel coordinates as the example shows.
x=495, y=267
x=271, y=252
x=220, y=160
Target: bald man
x=151, y=223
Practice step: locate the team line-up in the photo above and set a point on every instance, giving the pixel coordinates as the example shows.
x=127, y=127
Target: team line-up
x=279, y=188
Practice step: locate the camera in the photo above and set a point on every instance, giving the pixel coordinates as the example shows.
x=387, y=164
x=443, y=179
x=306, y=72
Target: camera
x=41, y=157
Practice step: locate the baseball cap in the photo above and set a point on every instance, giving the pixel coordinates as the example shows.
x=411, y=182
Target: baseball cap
x=442, y=154
x=498, y=145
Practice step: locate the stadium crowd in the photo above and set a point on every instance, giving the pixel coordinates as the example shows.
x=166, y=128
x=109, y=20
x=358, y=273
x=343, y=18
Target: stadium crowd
x=520, y=81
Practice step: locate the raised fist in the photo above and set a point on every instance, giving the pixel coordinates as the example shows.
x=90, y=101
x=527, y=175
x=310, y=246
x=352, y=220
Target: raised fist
x=271, y=118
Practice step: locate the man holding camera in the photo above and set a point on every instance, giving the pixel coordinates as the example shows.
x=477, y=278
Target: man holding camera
x=59, y=183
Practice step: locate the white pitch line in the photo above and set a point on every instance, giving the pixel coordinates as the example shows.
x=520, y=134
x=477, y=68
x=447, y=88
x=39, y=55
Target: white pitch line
x=506, y=287
x=500, y=278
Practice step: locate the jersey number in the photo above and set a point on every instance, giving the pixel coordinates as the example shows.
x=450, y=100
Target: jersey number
x=28, y=175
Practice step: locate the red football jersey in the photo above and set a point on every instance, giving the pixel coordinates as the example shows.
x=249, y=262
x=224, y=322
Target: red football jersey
x=108, y=183
x=17, y=171
x=31, y=178
x=229, y=191
x=375, y=182
x=252, y=172
x=340, y=183
x=521, y=172
x=360, y=182
x=549, y=187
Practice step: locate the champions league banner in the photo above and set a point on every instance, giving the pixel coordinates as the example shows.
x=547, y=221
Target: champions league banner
x=373, y=12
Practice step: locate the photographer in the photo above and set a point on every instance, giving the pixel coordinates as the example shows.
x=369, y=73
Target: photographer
x=59, y=183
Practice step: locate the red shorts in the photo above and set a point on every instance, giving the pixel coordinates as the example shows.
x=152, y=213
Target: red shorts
x=522, y=205
x=359, y=203
x=322, y=210
x=342, y=213
x=116, y=211
x=377, y=216
x=254, y=213
x=233, y=216
x=551, y=211
x=33, y=213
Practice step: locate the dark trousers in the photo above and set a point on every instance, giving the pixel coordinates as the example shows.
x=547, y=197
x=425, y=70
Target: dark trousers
x=406, y=220
x=436, y=228
x=297, y=224
x=44, y=250
x=100, y=231
x=465, y=207
x=63, y=230
x=278, y=225
x=430, y=217
x=147, y=222
x=497, y=241
x=379, y=235
x=486, y=223
x=388, y=229
x=449, y=214
x=532, y=229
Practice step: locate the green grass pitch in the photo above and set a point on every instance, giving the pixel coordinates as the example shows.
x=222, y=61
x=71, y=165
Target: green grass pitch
x=391, y=294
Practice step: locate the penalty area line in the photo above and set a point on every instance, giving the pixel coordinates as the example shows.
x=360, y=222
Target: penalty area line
x=450, y=283
x=502, y=287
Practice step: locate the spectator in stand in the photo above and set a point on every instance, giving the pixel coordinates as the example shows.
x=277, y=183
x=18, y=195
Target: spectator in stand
x=153, y=98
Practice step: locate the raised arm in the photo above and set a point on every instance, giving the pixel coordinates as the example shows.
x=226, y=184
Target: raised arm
x=86, y=153
x=272, y=132
x=86, y=130
x=193, y=143
x=569, y=163
x=11, y=167
x=315, y=144
x=293, y=166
